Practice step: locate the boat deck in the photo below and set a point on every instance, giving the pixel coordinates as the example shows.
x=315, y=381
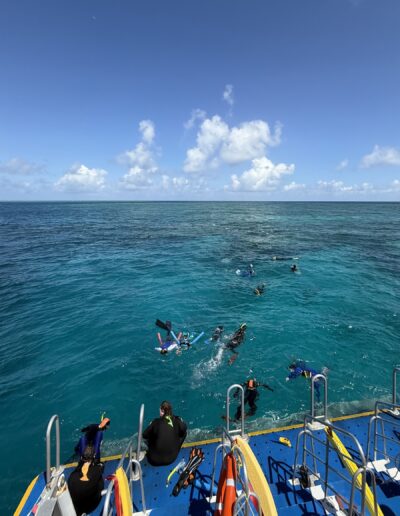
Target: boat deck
x=276, y=460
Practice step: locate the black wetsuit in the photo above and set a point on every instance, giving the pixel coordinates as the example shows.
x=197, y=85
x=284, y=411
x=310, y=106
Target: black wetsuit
x=250, y=398
x=259, y=289
x=217, y=333
x=165, y=436
x=86, y=495
x=236, y=340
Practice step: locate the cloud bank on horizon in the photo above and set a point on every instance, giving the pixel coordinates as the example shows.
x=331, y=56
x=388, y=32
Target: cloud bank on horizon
x=218, y=149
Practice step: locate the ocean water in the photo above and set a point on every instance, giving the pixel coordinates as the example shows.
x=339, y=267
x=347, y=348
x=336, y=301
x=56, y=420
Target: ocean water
x=82, y=284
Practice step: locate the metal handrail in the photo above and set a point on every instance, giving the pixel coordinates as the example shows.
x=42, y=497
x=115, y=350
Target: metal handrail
x=315, y=379
x=54, y=419
x=226, y=446
x=245, y=481
x=245, y=497
x=128, y=453
x=381, y=409
x=394, y=393
x=362, y=467
x=236, y=431
x=140, y=431
x=220, y=446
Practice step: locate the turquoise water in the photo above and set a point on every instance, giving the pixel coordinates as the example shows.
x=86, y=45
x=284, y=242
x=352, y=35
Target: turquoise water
x=82, y=284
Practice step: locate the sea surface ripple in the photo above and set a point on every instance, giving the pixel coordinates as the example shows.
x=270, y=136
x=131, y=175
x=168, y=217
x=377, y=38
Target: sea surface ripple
x=82, y=284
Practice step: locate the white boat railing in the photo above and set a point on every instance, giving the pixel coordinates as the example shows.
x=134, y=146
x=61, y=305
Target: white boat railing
x=235, y=431
x=382, y=425
x=133, y=469
x=247, y=502
x=318, y=468
x=314, y=379
x=128, y=456
x=394, y=393
x=54, y=420
x=243, y=505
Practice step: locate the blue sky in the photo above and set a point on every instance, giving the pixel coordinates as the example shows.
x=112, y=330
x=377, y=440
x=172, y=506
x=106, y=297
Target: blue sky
x=206, y=100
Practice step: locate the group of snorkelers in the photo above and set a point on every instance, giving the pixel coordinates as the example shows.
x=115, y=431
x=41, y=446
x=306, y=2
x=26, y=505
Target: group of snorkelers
x=296, y=368
x=184, y=340
x=172, y=341
x=250, y=272
x=251, y=393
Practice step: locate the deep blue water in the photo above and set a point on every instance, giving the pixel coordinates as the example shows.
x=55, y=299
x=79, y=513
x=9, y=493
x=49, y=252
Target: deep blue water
x=81, y=285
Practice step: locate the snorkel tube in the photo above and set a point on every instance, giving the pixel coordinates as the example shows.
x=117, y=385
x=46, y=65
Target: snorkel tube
x=176, y=339
x=198, y=337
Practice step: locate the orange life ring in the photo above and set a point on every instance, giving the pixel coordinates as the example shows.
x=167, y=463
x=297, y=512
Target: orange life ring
x=226, y=494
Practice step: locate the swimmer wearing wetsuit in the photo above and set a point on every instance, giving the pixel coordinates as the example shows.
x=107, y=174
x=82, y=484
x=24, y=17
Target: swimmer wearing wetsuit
x=86, y=483
x=235, y=341
x=299, y=368
x=251, y=394
x=164, y=436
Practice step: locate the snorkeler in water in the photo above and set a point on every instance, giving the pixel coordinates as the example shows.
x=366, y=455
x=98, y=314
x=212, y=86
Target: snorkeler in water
x=251, y=395
x=300, y=368
x=235, y=341
x=171, y=341
x=284, y=258
x=217, y=334
x=294, y=268
x=259, y=290
x=249, y=272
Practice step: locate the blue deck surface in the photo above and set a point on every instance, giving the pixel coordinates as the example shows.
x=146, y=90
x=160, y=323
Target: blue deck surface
x=276, y=460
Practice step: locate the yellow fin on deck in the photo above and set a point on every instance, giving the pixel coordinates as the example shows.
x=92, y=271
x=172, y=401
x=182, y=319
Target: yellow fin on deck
x=351, y=467
x=285, y=441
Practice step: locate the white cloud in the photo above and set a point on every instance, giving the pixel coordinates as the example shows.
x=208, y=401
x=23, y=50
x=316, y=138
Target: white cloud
x=394, y=186
x=218, y=143
x=82, y=179
x=18, y=166
x=263, y=176
x=247, y=142
x=141, y=161
x=146, y=127
x=136, y=179
x=340, y=187
x=141, y=156
x=343, y=164
x=381, y=156
x=334, y=186
x=184, y=184
x=197, y=114
x=213, y=131
x=290, y=187
x=228, y=95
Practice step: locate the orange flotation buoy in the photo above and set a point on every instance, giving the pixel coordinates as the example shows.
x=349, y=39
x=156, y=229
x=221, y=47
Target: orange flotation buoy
x=226, y=494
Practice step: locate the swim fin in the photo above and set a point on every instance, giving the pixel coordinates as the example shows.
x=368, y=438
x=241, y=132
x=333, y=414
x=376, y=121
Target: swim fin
x=232, y=359
x=165, y=326
x=188, y=474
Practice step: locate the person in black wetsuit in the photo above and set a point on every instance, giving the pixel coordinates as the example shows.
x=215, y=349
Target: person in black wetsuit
x=86, y=483
x=164, y=436
x=219, y=330
x=259, y=290
x=235, y=341
x=251, y=394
